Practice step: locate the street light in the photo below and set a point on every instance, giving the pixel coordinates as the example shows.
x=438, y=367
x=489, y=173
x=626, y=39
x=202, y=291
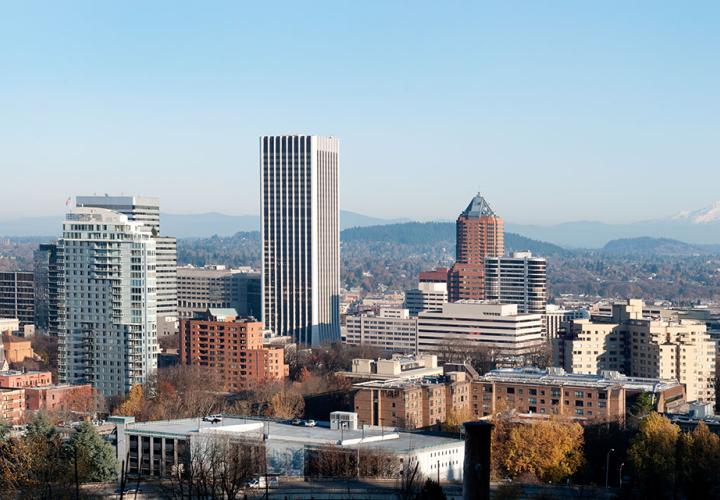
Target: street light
x=620, y=474
x=607, y=467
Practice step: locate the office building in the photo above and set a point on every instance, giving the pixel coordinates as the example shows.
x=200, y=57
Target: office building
x=218, y=287
x=108, y=323
x=429, y=295
x=17, y=296
x=45, y=273
x=146, y=210
x=556, y=317
x=520, y=279
x=391, y=330
x=156, y=449
x=437, y=275
x=412, y=403
x=642, y=346
x=301, y=237
x=233, y=348
x=480, y=234
x=533, y=392
x=468, y=326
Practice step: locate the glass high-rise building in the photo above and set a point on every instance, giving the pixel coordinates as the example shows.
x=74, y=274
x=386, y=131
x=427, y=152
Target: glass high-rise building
x=301, y=237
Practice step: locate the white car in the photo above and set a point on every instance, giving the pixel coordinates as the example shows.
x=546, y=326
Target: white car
x=213, y=418
x=310, y=423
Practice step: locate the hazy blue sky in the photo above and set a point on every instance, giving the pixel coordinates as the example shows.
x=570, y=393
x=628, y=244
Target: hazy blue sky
x=555, y=110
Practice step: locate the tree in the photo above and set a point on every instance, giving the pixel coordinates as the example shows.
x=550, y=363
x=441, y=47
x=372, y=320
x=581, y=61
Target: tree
x=285, y=403
x=698, y=458
x=550, y=450
x=431, y=491
x=132, y=406
x=652, y=456
x=95, y=457
x=455, y=419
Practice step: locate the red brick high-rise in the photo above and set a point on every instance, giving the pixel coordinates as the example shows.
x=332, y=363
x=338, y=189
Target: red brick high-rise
x=480, y=234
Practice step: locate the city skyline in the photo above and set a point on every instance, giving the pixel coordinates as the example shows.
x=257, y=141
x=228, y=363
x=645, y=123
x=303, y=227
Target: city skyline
x=416, y=95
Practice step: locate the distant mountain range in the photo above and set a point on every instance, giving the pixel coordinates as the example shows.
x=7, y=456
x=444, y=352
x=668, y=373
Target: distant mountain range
x=183, y=225
x=695, y=227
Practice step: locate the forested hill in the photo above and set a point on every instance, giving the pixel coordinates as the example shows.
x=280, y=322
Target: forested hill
x=421, y=233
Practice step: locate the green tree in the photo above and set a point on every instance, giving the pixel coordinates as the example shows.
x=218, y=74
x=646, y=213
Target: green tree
x=95, y=456
x=652, y=456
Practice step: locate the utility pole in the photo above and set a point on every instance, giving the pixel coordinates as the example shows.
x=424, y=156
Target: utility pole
x=77, y=479
x=607, y=468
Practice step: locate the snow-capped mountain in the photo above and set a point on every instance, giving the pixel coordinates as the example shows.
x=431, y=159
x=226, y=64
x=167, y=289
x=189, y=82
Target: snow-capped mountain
x=705, y=215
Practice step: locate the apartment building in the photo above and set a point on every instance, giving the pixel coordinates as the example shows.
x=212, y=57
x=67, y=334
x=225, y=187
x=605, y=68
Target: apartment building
x=218, y=287
x=15, y=379
x=556, y=317
x=233, y=348
x=17, y=296
x=107, y=310
x=519, y=279
x=470, y=326
x=390, y=329
x=541, y=393
x=411, y=403
x=12, y=405
x=641, y=346
x=59, y=397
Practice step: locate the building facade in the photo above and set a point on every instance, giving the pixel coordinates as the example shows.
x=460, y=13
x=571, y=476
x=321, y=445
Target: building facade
x=556, y=317
x=233, y=348
x=642, y=346
x=520, y=279
x=17, y=296
x=218, y=287
x=12, y=405
x=391, y=329
x=543, y=393
x=45, y=272
x=480, y=234
x=470, y=326
x=146, y=209
x=301, y=237
x=429, y=295
x=107, y=333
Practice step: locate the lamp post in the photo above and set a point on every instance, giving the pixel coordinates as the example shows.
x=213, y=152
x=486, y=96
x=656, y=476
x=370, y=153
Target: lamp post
x=620, y=474
x=607, y=468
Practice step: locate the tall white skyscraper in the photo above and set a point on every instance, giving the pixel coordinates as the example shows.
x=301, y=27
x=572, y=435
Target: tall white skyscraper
x=520, y=279
x=106, y=301
x=146, y=209
x=301, y=237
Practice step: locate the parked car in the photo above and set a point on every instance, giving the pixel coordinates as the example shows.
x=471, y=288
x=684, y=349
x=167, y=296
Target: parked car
x=310, y=423
x=214, y=419
x=297, y=421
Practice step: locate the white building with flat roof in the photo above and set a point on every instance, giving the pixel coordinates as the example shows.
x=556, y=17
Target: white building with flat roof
x=427, y=296
x=470, y=325
x=519, y=279
x=391, y=330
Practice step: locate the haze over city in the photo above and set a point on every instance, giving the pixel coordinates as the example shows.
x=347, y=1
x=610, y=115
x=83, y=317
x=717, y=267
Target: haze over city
x=555, y=112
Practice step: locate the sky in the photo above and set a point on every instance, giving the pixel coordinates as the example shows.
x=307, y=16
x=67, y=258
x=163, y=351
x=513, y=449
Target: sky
x=555, y=111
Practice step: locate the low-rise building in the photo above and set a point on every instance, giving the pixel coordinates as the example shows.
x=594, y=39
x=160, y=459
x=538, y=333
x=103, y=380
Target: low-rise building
x=17, y=349
x=412, y=403
x=397, y=367
x=62, y=397
x=583, y=397
x=391, y=330
x=470, y=326
x=157, y=449
x=12, y=405
x=15, y=379
x=556, y=317
x=233, y=348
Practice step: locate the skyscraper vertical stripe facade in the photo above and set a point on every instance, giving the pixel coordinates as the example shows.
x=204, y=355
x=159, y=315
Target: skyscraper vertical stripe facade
x=301, y=237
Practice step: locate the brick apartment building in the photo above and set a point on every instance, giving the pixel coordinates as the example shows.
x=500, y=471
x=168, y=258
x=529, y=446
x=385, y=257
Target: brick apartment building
x=535, y=392
x=411, y=403
x=233, y=347
x=12, y=405
x=34, y=390
x=15, y=379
